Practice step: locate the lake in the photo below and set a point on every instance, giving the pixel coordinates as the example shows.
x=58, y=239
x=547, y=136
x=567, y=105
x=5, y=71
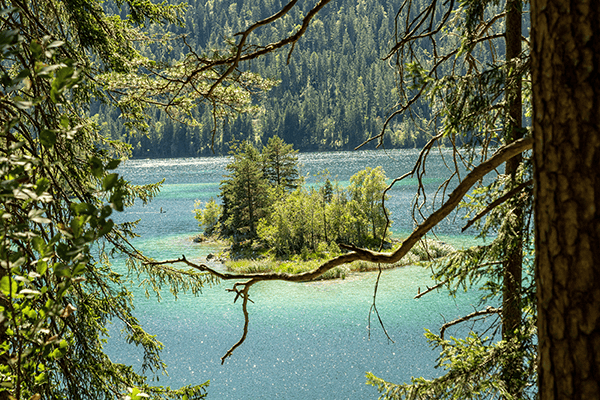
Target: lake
x=305, y=341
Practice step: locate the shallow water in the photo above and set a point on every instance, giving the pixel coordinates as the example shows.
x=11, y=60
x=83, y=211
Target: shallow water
x=306, y=341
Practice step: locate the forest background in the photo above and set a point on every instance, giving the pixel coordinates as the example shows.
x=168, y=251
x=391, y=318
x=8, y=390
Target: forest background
x=333, y=93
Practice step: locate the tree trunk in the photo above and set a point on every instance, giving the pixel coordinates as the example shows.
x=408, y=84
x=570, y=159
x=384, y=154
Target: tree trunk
x=511, y=301
x=566, y=93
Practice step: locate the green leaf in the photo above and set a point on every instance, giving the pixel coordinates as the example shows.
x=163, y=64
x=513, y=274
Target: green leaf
x=41, y=378
x=41, y=186
x=117, y=201
x=8, y=286
x=47, y=138
x=96, y=167
x=41, y=267
x=5, y=285
x=113, y=164
x=76, y=226
x=61, y=269
x=106, y=228
x=109, y=181
x=38, y=244
x=22, y=75
x=64, y=122
x=36, y=49
x=79, y=269
x=83, y=208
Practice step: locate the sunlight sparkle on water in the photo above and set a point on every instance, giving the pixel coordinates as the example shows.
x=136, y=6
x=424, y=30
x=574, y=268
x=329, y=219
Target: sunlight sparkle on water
x=305, y=341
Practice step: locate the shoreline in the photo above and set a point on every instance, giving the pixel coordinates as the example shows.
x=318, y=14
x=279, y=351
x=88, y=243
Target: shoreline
x=258, y=262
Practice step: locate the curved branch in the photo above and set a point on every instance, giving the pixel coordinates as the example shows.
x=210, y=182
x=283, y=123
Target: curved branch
x=488, y=310
x=234, y=61
x=245, y=297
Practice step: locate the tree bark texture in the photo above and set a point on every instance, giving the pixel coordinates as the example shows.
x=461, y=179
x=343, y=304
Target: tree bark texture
x=511, y=304
x=566, y=123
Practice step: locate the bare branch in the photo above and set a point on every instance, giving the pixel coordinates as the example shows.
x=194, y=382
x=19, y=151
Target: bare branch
x=487, y=311
x=429, y=289
x=374, y=308
x=245, y=297
x=234, y=61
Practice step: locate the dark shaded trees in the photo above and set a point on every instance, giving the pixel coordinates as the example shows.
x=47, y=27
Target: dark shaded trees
x=245, y=193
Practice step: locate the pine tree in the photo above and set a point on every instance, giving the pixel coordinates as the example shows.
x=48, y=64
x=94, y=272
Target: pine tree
x=245, y=193
x=280, y=164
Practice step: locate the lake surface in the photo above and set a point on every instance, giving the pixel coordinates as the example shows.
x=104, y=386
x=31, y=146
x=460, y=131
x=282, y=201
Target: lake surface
x=305, y=341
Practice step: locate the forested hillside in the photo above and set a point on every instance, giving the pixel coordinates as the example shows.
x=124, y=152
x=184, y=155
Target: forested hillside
x=334, y=93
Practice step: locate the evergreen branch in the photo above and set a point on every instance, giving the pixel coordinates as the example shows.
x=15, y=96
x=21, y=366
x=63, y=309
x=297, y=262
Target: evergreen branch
x=497, y=202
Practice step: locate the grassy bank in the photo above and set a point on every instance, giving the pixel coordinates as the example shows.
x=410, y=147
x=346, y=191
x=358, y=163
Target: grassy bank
x=253, y=259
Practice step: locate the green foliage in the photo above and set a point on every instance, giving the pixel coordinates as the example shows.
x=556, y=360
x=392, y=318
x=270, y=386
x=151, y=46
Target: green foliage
x=366, y=194
x=475, y=97
x=259, y=203
x=473, y=369
x=208, y=217
x=248, y=191
x=309, y=218
x=280, y=164
x=58, y=191
x=332, y=94
x=245, y=193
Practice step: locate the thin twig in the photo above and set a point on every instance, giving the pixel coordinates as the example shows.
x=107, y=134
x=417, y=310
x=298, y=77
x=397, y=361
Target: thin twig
x=374, y=308
x=488, y=310
x=429, y=289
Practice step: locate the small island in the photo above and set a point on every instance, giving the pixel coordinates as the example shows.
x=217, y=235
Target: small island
x=270, y=221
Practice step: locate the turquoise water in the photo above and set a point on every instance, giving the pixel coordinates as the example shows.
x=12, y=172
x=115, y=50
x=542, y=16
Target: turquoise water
x=306, y=341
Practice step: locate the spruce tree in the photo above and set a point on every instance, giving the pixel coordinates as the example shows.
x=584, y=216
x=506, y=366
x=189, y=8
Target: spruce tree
x=245, y=193
x=280, y=164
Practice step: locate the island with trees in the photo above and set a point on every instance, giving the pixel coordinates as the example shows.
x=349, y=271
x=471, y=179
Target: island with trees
x=273, y=222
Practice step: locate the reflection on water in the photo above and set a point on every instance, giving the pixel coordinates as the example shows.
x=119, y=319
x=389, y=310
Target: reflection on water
x=306, y=341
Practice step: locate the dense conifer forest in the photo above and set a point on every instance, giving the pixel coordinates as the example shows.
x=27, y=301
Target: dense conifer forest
x=333, y=93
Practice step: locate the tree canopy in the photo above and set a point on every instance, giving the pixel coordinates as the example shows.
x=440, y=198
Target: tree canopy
x=59, y=191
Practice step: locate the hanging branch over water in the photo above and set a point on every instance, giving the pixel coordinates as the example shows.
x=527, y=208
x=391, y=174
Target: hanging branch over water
x=475, y=314
x=355, y=254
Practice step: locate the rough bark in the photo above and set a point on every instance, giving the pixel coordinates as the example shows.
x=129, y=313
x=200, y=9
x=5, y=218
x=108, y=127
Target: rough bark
x=566, y=93
x=513, y=271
